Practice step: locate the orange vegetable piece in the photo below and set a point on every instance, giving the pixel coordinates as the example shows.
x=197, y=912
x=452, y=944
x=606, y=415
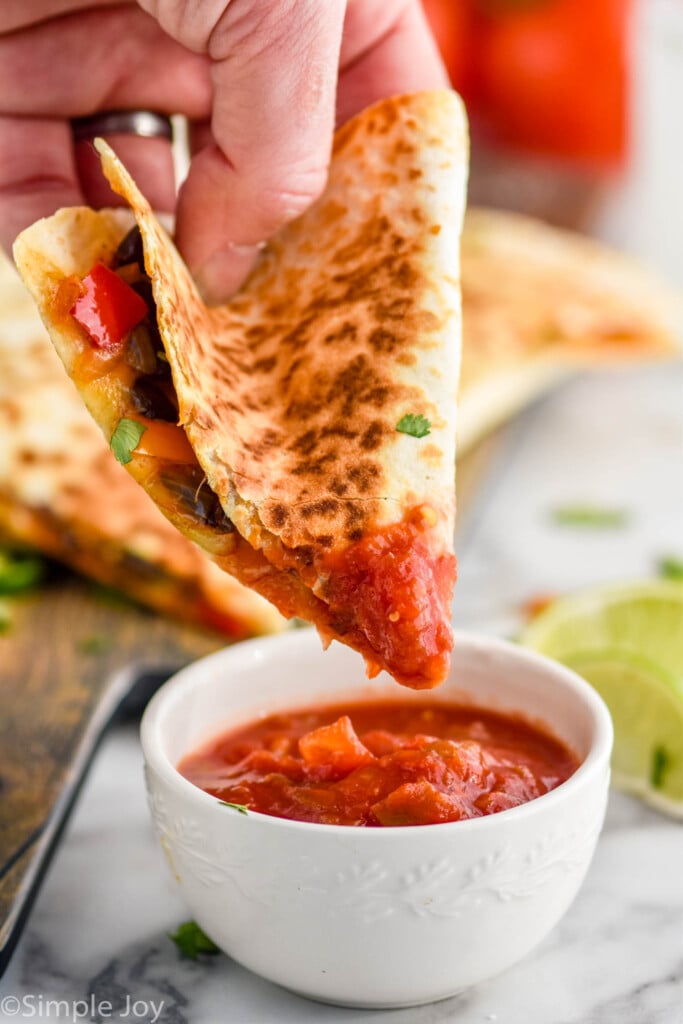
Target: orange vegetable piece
x=335, y=746
x=418, y=803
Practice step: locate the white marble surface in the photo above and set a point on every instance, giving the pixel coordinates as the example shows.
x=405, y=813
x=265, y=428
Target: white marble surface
x=99, y=928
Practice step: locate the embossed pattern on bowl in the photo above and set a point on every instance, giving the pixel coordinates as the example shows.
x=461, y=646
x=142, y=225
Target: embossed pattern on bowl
x=374, y=917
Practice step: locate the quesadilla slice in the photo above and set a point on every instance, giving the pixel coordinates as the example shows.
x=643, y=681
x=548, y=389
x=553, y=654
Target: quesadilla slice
x=62, y=491
x=318, y=406
x=540, y=303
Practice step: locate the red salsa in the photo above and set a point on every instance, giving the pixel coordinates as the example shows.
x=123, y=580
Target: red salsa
x=381, y=764
x=401, y=593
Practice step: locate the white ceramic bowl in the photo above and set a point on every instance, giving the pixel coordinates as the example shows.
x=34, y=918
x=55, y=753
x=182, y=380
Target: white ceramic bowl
x=379, y=917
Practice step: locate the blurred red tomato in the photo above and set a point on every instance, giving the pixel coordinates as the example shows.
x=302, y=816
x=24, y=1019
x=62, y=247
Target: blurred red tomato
x=451, y=22
x=552, y=75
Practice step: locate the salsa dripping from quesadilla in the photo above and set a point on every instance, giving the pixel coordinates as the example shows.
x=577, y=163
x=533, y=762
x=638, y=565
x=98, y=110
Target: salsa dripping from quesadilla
x=314, y=415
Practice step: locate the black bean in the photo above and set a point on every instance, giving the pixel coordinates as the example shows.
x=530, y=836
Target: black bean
x=141, y=350
x=153, y=400
x=208, y=507
x=163, y=369
x=191, y=490
x=130, y=250
x=132, y=563
x=144, y=290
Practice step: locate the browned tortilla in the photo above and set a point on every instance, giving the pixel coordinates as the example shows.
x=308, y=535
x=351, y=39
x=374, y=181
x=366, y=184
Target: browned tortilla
x=540, y=303
x=291, y=394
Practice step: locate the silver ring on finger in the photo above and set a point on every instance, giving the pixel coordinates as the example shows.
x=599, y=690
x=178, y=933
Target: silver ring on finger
x=147, y=124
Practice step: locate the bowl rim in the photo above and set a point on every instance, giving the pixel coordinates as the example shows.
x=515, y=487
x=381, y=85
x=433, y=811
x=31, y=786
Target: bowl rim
x=186, y=679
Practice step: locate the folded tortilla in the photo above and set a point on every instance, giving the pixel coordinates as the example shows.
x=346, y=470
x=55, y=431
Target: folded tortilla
x=291, y=394
x=319, y=404
x=540, y=303
x=63, y=493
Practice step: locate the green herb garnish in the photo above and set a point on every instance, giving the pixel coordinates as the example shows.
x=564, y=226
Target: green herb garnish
x=111, y=596
x=94, y=644
x=161, y=355
x=670, y=567
x=191, y=941
x=242, y=808
x=125, y=439
x=5, y=617
x=415, y=425
x=19, y=572
x=660, y=762
x=589, y=516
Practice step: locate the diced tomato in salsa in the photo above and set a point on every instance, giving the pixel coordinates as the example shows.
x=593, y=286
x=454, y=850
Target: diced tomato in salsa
x=334, y=746
x=403, y=763
x=108, y=308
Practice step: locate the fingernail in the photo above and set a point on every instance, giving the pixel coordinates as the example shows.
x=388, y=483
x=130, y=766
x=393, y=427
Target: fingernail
x=224, y=272
x=257, y=247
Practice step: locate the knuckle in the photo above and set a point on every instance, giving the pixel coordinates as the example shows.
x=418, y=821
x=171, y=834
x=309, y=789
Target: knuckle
x=294, y=191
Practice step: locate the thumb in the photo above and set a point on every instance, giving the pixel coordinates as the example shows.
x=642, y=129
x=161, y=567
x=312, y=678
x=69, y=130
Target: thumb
x=274, y=68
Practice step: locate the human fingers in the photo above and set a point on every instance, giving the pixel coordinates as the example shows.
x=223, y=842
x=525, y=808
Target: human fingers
x=274, y=69
x=39, y=90
x=15, y=14
x=38, y=173
x=104, y=58
x=387, y=49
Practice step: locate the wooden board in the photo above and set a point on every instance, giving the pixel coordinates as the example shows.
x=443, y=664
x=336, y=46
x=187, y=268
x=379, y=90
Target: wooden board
x=66, y=663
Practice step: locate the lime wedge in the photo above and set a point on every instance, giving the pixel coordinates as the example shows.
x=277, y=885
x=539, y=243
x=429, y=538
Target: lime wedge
x=627, y=641
x=647, y=713
x=645, y=619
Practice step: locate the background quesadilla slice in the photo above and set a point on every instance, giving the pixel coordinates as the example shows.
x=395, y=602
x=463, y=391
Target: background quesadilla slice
x=320, y=403
x=63, y=492
x=540, y=303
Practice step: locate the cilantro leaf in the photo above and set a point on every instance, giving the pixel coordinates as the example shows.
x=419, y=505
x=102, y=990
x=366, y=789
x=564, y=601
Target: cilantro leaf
x=242, y=808
x=125, y=439
x=191, y=941
x=94, y=644
x=19, y=572
x=5, y=617
x=661, y=761
x=416, y=425
x=670, y=567
x=589, y=516
x=111, y=596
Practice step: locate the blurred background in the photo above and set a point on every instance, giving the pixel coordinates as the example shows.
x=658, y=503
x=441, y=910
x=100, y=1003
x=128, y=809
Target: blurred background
x=575, y=113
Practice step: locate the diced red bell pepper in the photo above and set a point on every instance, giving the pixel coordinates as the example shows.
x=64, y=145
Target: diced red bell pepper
x=109, y=308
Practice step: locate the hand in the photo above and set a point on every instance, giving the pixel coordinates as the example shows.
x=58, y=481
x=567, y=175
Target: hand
x=256, y=78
